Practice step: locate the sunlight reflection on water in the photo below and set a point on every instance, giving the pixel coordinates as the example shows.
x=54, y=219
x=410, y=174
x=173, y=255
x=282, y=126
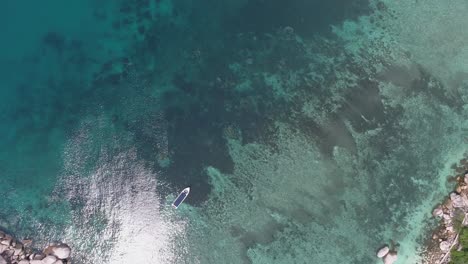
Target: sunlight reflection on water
x=117, y=214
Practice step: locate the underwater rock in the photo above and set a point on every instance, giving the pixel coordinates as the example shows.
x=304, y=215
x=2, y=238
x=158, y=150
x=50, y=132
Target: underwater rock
x=390, y=258
x=24, y=262
x=58, y=262
x=26, y=242
x=2, y=260
x=383, y=251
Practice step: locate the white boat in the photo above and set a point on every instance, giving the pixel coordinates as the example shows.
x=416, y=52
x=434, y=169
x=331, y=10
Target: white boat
x=183, y=194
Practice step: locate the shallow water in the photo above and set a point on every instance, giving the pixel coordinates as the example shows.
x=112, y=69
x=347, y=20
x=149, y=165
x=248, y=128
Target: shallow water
x=309, y=132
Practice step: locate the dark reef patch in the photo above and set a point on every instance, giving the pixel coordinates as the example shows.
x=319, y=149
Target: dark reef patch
x=333, y=133
x=55, y=40
x=196, y=141
x=204, y=100
x=429, y=85
x=363, y=106
x=307, y=17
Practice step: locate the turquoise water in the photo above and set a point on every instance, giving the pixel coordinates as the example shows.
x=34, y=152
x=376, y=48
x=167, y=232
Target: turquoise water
x=309, y=131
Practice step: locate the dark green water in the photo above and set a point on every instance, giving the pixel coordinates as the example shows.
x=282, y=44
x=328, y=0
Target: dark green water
x=309, y=131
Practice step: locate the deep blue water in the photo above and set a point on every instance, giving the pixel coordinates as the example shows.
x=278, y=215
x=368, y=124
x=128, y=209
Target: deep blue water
x=297, y=128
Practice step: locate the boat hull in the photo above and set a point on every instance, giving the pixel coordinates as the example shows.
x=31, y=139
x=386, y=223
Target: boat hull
x=181, y=198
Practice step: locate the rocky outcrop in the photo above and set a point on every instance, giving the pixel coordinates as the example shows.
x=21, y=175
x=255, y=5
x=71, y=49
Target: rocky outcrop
x=388, y=256
x=453, y=214
x=444, y=246
x=457, y=200
x=383, y=252
x=19, y=252
x=61, y=251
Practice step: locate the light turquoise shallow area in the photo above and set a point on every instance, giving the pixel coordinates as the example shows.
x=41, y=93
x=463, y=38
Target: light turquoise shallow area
x=335, y=143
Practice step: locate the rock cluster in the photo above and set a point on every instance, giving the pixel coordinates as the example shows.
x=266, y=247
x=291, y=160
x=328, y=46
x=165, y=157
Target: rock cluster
x=453, y=213
x=388, y=256
x=19, y=252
